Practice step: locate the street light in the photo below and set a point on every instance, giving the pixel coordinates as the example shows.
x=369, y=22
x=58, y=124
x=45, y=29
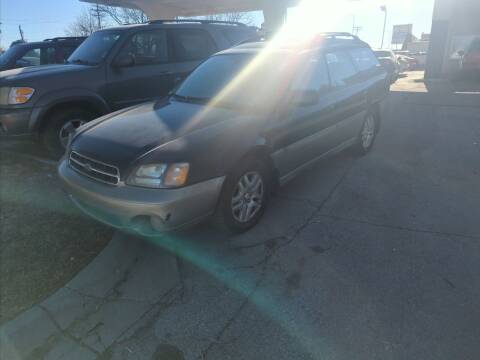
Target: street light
x=384, y=9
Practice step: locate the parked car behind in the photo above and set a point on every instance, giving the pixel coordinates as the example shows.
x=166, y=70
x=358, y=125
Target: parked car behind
x=470, y=58
x=49, y=51
x=390, y=62
x=113, y=69
x=245, y=121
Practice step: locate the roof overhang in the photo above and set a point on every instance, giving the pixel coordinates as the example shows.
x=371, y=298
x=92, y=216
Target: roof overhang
x=172, y=8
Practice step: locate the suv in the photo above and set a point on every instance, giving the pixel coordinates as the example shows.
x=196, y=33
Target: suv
x=245, y=121
x=49, y=51
x=113, y=69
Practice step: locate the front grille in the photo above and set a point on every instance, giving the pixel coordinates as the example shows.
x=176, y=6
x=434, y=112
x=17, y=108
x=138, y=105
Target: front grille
x=94, y=169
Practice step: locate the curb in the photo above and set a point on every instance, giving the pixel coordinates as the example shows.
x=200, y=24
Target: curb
x=83, y=318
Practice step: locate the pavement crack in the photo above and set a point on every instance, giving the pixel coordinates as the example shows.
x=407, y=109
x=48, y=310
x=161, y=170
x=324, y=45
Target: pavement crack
x=397, y=227
x=66, y=333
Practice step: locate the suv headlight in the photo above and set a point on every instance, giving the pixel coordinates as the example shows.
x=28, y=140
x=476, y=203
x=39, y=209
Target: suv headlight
x=15, y=95
x=160, y=175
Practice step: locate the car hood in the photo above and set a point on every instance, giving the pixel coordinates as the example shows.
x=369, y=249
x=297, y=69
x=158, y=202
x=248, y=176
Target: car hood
x=42, y=70
x=122, y=138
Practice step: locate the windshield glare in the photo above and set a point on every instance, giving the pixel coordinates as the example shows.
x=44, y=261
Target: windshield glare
x=95, y=48
x=237, y=80
x=8, y=55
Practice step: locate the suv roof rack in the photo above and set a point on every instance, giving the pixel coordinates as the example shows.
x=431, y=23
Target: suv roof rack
x=64, y=38
x=331, y=38
x=196, y=21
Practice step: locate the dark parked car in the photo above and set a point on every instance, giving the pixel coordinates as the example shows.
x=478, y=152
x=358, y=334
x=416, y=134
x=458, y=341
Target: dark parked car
x=390, y=62
x=49, y=51
x=470, y=58
x=245, y=121
x=111, y=70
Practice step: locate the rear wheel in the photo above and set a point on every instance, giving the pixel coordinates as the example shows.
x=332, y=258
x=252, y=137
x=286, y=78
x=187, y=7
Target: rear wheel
x=367, y=135
x=61, y=125
x=244, y=198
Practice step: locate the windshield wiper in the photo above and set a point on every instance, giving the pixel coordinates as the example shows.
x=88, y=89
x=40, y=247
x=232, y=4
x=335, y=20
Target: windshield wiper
x=191, y=99
x=82, y=62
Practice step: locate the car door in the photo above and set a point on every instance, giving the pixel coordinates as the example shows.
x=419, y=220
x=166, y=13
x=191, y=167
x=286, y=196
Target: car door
x=304, y=132
x=190, y=47
x=350, y=96
x=149, y=75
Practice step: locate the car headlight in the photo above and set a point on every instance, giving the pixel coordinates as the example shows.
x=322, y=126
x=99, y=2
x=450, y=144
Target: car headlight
x=15, y=95
x=160, y=175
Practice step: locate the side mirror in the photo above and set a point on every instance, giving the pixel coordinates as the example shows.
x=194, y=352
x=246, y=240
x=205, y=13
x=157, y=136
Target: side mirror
x=305, y=98
x=126, y=60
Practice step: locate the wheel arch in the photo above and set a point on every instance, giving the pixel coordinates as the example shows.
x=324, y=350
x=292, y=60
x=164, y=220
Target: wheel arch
x=93, y=104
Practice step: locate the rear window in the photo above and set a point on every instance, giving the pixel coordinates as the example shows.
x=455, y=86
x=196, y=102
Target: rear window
x=383, y=53
x=191, y=44
x=342, y=70
x=364, y=59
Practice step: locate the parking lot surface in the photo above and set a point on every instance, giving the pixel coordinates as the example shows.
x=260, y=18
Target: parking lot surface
x=358, y=258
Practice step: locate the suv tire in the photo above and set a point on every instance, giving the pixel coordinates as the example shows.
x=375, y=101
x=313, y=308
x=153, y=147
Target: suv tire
x=57, y=127
x=244, y=198
x=368, y=133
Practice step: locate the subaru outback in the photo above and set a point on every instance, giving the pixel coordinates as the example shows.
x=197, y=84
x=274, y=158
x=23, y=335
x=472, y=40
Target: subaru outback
x=246, y=121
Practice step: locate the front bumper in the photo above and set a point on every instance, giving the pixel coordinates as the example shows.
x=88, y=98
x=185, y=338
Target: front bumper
x=14, y=121
x=144, y=211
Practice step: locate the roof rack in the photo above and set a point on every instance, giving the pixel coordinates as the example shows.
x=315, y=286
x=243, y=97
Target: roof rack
x=196, y=21
x=66, y=38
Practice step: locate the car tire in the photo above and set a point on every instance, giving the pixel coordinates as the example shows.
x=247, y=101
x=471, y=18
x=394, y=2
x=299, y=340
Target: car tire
x=238, y=211
x=367, y=135
x=59, y=125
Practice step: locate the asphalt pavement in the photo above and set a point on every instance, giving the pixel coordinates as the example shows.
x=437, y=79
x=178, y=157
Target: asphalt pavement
x=358, y=258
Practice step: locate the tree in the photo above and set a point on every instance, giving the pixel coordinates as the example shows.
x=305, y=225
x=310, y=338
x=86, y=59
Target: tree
x=242, y=17
x=85, y=24
x=124, y=16
x=97, y=17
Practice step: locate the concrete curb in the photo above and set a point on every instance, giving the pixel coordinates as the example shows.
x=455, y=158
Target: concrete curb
x=84, y=318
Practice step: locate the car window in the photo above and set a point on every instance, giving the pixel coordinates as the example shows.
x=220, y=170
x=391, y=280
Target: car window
x=191, y=44
x=65, y=52
x=341, y=68
x=313, y=76
x=147, y=47
x=31, y=58
x=364, y=59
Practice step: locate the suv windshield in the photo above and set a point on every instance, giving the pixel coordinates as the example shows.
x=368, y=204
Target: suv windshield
x=8, y=55
x=235, y=80
x=95, y=48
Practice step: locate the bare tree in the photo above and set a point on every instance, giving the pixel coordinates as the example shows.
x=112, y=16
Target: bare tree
x=85, y=24
x=97, y=17
x=242, y=17
x=124, y=16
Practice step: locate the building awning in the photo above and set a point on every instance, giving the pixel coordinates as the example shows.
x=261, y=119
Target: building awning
x=172, y=8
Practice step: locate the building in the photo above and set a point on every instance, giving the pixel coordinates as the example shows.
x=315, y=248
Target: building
x=455, y=24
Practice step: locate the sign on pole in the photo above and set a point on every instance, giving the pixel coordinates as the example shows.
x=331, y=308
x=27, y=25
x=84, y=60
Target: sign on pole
x=401, y=33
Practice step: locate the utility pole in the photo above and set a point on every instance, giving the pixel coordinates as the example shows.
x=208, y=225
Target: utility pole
x=21, y=32
x=384, y=9
x=97, y=12
x=355, y=29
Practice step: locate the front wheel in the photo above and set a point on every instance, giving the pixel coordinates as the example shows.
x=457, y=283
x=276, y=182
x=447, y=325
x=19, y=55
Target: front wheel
x=60, y=126
x=244, y=198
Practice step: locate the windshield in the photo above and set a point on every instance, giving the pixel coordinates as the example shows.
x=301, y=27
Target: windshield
x=8, y=55
x=95, y=48
x=236, y=80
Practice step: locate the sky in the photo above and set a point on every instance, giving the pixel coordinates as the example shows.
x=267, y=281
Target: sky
x=42, y=19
